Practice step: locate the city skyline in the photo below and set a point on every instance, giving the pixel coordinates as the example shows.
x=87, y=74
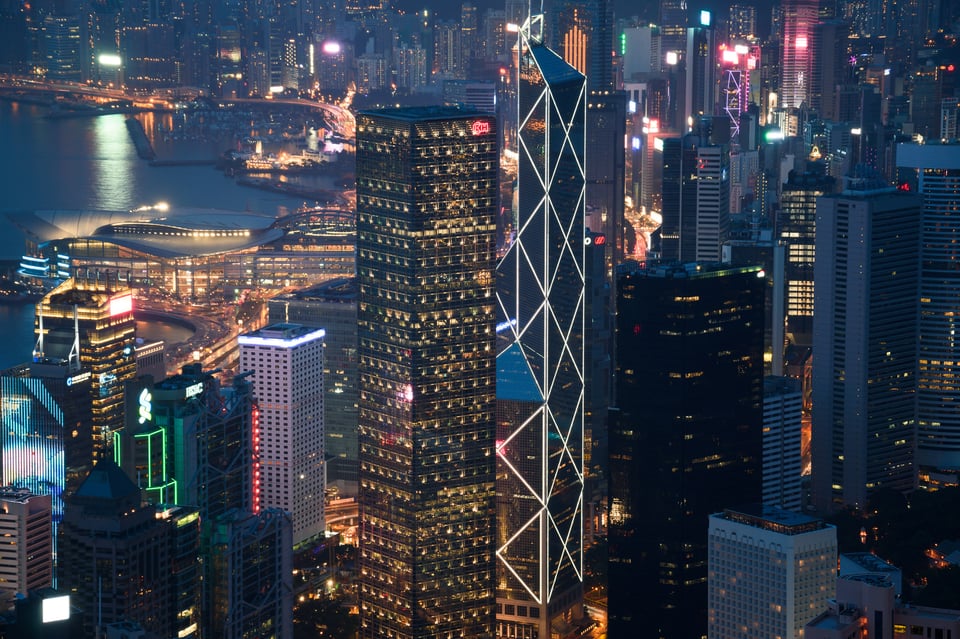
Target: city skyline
x=495, y=319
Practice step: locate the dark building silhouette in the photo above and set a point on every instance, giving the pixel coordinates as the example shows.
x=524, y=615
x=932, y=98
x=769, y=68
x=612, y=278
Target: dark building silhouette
x=121, y=561
x=686, y=438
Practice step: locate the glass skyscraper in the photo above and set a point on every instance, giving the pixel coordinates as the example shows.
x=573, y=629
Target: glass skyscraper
x=540, y=366
x=686, y=439
x=426, y=205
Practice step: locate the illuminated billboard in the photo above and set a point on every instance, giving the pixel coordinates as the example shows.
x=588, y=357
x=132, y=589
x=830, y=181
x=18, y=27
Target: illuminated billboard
x=121, y=304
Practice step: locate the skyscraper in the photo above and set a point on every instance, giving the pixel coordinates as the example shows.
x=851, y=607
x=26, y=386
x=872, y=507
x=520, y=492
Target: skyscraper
x=784, y=559
x=865, y=338
x=934, y=171
x=796, y=229
x=540, y=390
x=287, y=365
x=796, y=54
x=47, y=441
x=89, y=322
x=686, y=439
x=696, y=198
x=426, y=205
x=782, y=436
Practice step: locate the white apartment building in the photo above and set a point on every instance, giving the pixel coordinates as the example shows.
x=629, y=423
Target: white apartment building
x=770, y=571
x=287, y=365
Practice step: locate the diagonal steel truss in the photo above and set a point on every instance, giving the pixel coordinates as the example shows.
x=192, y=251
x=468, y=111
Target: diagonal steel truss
x=542, y=297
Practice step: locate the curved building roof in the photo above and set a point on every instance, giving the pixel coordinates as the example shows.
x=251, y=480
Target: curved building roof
x=179, y=232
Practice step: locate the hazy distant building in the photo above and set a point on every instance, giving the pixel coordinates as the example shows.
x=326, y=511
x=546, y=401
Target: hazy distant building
x=797, y=52
x=771, y=571
x=332, y=306
x=867, y=275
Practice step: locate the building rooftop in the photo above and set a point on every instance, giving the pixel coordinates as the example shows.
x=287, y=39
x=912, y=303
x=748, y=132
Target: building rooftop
x=421, y=113
x=285, y=335
x=689, y=270
x=341, y=289
x=772, y=518
x=870, y=562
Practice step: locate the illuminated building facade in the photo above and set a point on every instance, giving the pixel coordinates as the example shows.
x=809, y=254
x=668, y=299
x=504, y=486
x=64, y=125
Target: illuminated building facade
x=426, y=205
x=934, y=171
x=796, y=56
x=793, y=570
x=332, y=306
x=287, y=365
x=90, y=320
x=540, y=389
x=47, y=438
x=796, y=225
x=865, y=339
x=685, y=440
x=194, y=254
x=26, y=543
x=189, y=442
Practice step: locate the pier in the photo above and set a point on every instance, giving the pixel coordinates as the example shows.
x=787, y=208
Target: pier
x=139, y=137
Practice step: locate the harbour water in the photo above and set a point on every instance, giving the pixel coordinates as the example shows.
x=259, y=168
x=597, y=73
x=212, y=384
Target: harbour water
x=91, y=163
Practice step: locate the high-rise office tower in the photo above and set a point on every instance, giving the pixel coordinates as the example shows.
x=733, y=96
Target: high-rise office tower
x=771, y=593
x=190, y=442
x=742, y=23
x=700, y=74
x=934, y=171
x=90, y=323
x=782, y=438
x=120, y=560
x=685, y=440
x=584, y=39
x=540, y=390
x=796, y=54
x=830, y=67
x=26, y=543
x=696, y=198
x=332, y=306
x=287, y=365
x=250, y=576
x=796, y=224
x=865, y=338
x=47, y=441
x=426, y=206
